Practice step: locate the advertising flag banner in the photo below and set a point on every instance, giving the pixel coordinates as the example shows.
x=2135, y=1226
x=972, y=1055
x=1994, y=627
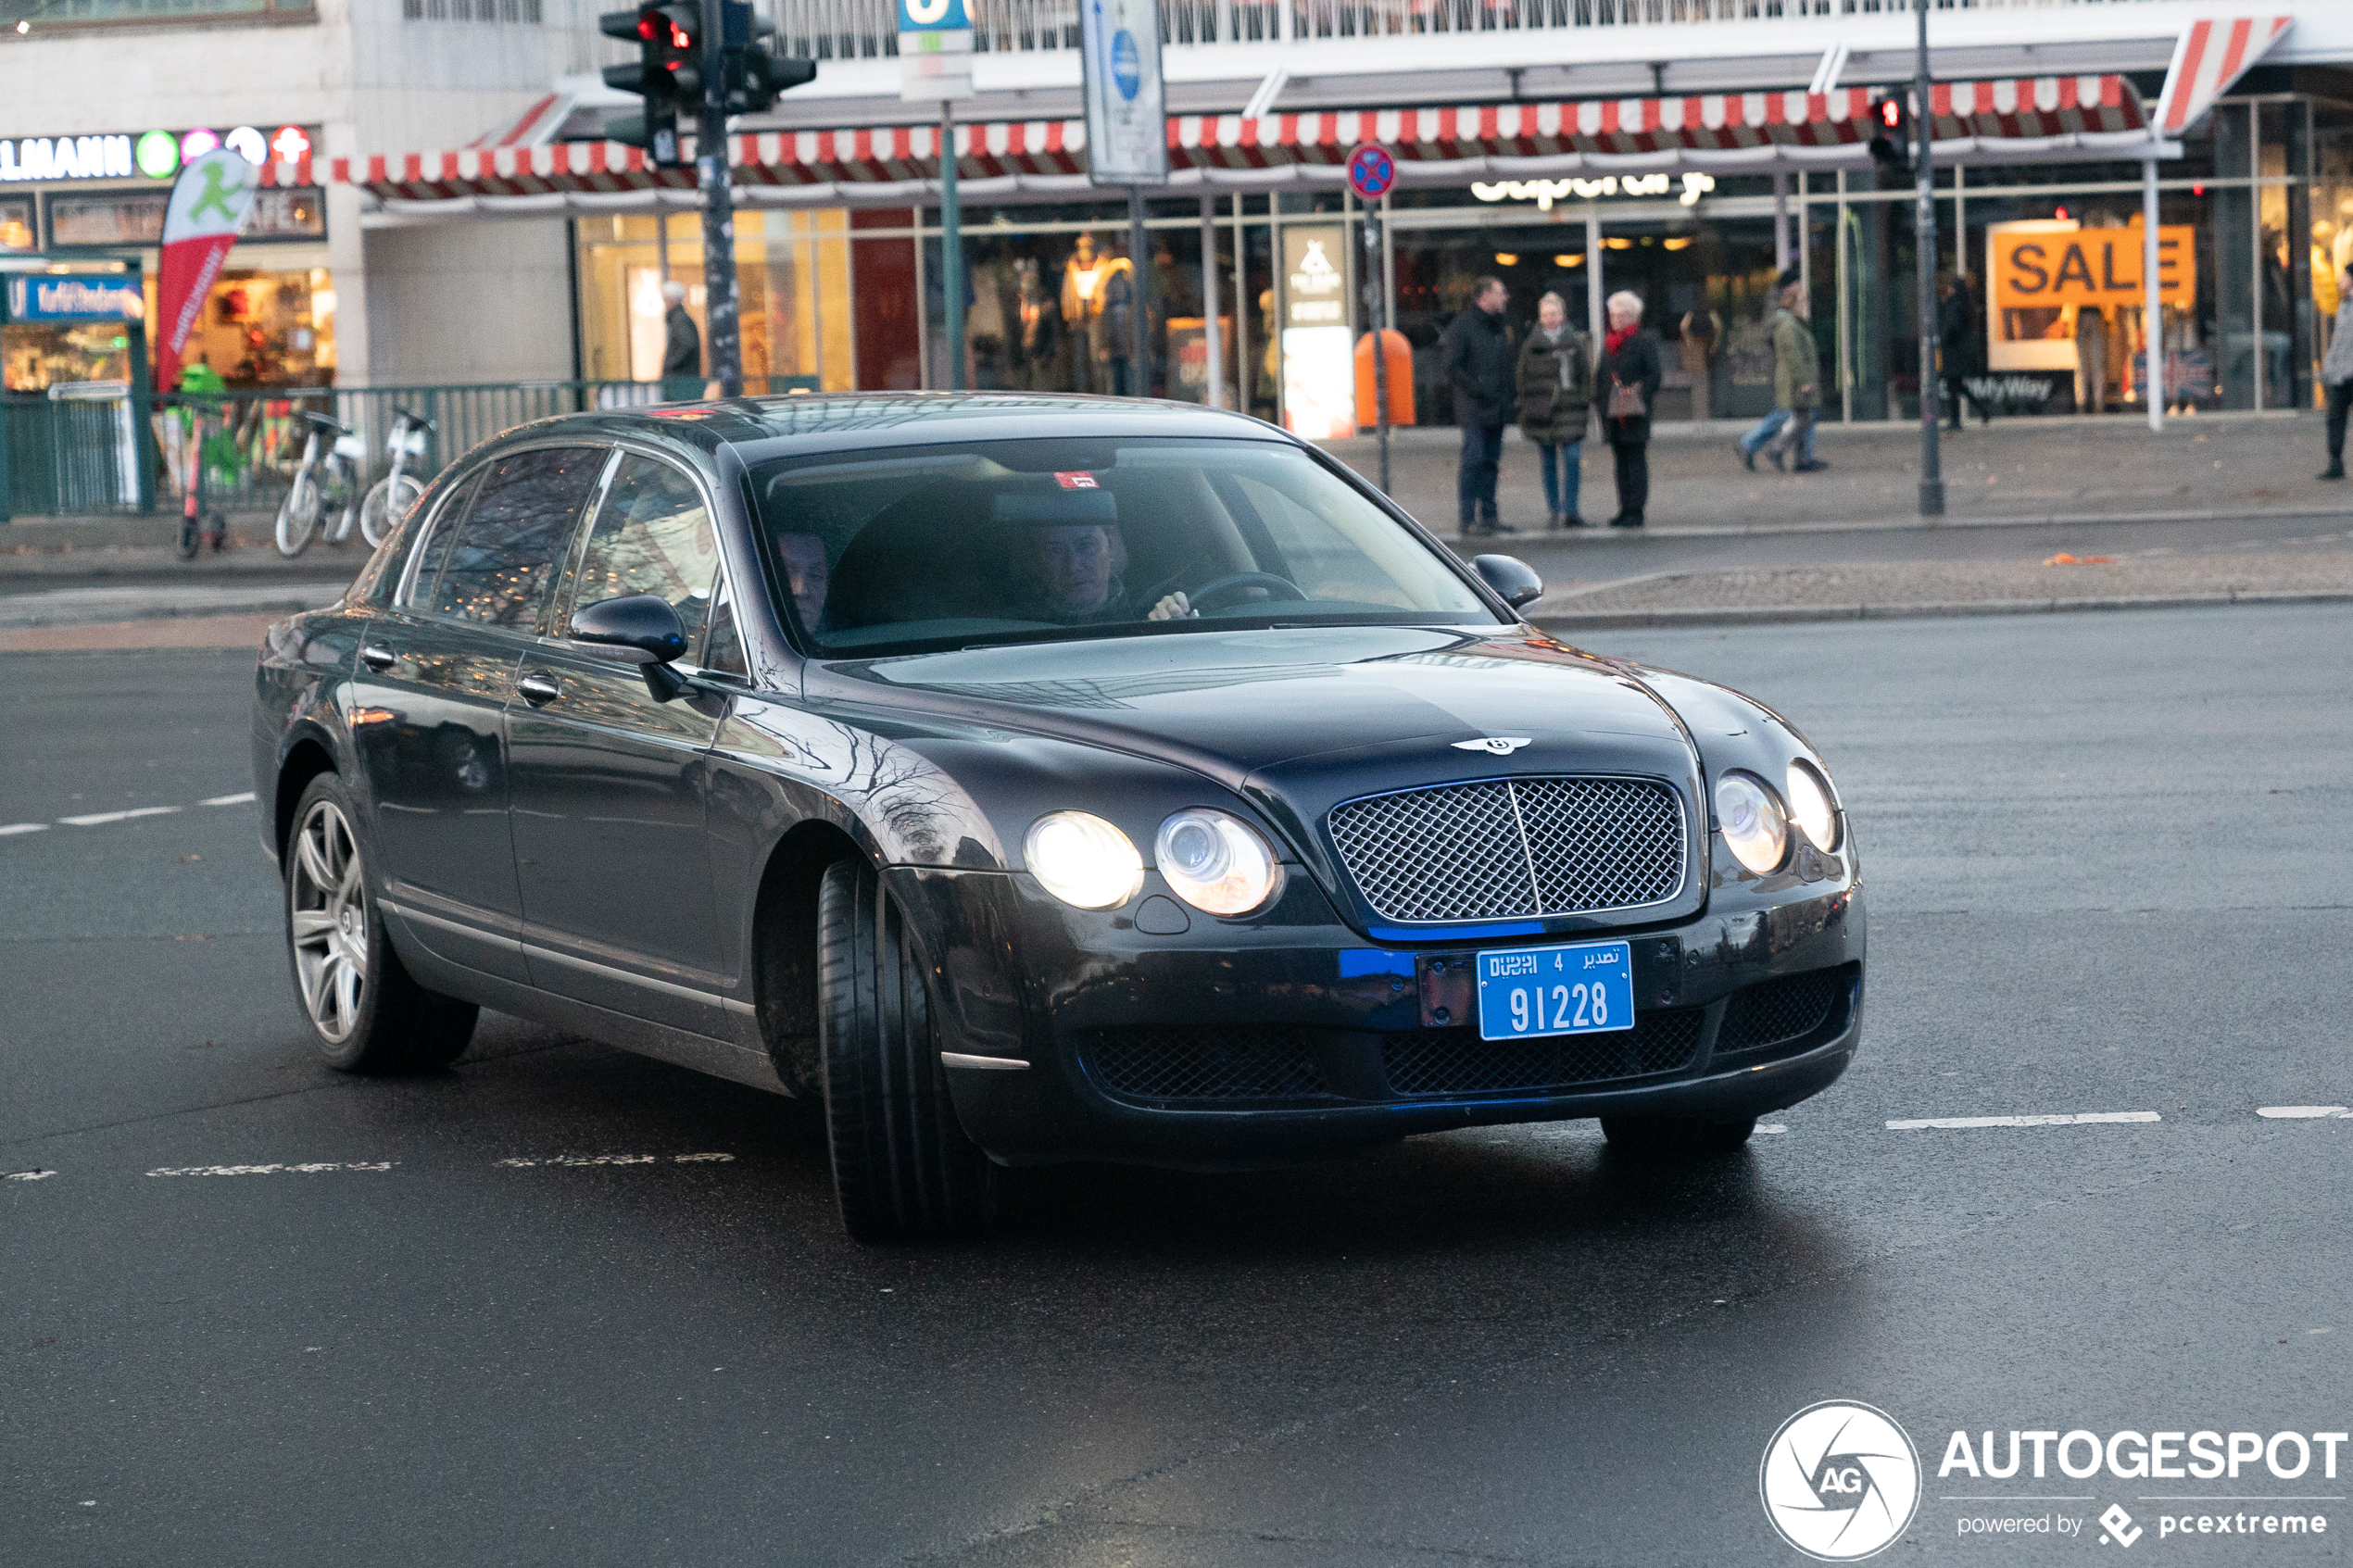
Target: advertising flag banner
x=210, y=202
x=1126, y=110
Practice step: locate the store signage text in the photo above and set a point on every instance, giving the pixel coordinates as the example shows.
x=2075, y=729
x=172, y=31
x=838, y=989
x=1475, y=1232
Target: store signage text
x=156, y=154
x=2096, y=266
x=1544, y=192
x=74, y=299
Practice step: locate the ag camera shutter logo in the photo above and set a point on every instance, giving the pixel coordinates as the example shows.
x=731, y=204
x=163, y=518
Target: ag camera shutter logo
x=1840, y=1481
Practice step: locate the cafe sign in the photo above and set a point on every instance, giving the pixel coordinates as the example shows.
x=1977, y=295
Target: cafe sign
x=2049, y=263
x=1544, y=192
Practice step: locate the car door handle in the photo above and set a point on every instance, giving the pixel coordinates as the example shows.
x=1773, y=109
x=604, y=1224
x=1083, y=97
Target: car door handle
x=538, y=690
x=376, y=658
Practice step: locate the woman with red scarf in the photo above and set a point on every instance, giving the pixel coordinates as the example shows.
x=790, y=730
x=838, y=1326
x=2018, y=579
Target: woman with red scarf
x=1625, y=387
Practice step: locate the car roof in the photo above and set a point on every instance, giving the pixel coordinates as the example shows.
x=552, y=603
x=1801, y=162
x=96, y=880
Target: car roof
x=762, y=428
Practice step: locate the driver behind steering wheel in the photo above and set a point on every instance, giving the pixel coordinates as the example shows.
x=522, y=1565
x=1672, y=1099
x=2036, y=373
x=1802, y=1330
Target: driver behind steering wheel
x=1067, y=560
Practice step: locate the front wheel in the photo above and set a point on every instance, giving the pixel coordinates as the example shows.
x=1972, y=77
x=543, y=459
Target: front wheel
x=366, y=1014
x=299, y=515
x=386, y=504
x=1671, y=1137
x=342, y=508
x=903, y=1169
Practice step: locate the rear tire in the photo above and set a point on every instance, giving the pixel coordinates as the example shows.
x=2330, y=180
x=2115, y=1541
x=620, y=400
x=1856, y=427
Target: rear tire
x=903, y=1169
x=365, y=1013
x=1670, y=1138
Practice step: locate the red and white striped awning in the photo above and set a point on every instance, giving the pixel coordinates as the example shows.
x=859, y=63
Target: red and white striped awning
x=2052, y=117
x=2211, y=55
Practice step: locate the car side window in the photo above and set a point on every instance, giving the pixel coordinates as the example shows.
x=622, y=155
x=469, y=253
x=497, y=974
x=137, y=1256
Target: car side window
x=724, y=649
x=652, y=535
x=503, y=554
x=431, y=546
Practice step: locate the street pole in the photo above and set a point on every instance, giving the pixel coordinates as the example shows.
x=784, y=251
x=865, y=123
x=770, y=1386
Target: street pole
x=951, y=247
x=1371, y=274
x=1924, y=135
x=1140, y=368
x=720, y=305
x=2152, y=302
x=1214, y=393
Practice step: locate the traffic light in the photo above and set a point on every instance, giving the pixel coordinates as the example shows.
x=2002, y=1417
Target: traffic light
x=667, y=73
x=1891, y=134
x=754, y=75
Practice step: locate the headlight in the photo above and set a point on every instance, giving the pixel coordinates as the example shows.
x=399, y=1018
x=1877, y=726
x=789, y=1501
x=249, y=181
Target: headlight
x=1753, y=821
x=1810, y=806
x=1083, y=860
x=1216, y=863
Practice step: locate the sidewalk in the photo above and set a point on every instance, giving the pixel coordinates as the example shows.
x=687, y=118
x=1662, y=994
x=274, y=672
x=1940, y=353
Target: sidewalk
x=64, y=548
x=2015, y=470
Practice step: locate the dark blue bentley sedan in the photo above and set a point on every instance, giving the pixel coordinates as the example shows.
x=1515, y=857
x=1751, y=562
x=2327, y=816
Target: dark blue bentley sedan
x=1034, y=779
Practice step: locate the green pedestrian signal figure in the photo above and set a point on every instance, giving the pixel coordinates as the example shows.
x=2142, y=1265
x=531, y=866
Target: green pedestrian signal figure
x=214, y=194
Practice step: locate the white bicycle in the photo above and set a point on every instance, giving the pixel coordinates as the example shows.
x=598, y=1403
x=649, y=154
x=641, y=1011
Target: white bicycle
x=323, y=487
x=393, y=495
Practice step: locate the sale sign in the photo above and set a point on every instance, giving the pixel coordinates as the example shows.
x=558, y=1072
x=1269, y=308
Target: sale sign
x=2045, y=264
x=210, y=202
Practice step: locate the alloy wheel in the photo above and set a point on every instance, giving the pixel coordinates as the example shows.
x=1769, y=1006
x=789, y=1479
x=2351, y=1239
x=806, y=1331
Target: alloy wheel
x=329, y=921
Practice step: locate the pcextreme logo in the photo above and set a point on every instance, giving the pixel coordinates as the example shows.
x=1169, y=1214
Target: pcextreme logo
x=1840, y=1481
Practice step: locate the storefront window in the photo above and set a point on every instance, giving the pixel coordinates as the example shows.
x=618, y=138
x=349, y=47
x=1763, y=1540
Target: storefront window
x=792, y=272
x=267, y=328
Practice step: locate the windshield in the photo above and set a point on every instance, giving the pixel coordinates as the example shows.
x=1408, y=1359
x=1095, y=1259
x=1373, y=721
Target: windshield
x=1019, y=541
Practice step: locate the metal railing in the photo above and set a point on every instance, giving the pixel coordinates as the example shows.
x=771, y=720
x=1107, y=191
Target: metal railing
x=83, y=455
x=830, y=29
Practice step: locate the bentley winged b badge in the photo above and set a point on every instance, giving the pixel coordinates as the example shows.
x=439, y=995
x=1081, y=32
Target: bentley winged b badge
x=1502, y=745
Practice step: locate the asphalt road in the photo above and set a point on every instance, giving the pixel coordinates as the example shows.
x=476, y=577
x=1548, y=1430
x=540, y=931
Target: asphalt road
x=2107, y=860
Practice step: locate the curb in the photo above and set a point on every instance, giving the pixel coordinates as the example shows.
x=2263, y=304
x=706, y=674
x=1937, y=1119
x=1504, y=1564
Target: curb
x=259, y=604
x=1586, y=537
x=1780, y=615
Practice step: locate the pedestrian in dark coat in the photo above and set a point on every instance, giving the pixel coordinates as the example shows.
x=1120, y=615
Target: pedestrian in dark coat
x=1556, y=405
x=1475, y=354
x=1957, y=347
x=1626, y=389
x=2336, y=375
x=682, y=377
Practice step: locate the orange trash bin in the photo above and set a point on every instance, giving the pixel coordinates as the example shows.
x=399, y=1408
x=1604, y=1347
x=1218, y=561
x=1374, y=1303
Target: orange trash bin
x=1401, y=380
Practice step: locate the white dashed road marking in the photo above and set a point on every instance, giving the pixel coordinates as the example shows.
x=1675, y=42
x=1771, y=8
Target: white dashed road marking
x=96, y=817
x=8, y=828
x=312, y=1168
x=2303, y=1112
x=35, y=1175
x=577, y=1159
x=229, y=800
x=1956, y=1123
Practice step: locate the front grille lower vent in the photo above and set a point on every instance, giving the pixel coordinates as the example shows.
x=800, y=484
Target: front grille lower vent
x=1779, y=1010
x=1513, y=848
x=1456, y=1062
x=1237, y=1062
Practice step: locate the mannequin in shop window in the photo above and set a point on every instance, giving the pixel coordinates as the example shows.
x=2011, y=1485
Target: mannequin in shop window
x=1094, y=285
x=2091, y=359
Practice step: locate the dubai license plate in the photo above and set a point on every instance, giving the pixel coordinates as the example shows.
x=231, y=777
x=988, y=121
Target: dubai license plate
x=1584, y=989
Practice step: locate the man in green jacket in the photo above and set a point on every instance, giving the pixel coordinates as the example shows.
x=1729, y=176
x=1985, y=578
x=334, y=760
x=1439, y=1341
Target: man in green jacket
x=1796, y=384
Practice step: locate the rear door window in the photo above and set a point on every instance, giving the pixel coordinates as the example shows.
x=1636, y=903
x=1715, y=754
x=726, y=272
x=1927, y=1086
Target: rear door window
x=501, y=558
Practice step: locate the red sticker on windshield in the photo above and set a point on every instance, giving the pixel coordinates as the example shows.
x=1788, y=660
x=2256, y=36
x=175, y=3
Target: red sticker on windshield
x=1076, y=481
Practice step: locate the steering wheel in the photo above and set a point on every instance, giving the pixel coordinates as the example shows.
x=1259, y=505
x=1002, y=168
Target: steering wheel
x=1277, y=587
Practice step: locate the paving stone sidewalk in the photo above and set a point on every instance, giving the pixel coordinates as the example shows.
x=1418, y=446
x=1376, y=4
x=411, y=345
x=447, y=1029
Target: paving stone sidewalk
x=2218, y=465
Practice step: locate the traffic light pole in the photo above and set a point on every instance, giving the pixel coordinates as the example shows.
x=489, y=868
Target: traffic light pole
x=721, y=303
x=951, y=247
x=1924, y=238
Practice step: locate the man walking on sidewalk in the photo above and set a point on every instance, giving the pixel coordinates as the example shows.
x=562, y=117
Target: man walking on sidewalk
x=2336, y=374
x=1797, y=373
x=1477, y=355
x=1788, y=286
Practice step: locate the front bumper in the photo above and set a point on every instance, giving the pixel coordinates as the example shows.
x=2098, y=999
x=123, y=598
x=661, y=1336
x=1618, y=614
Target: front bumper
x=1237, y=1043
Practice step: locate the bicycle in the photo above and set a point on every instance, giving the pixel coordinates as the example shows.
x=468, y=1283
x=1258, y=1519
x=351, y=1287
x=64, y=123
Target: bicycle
x=392, y=495
x=323, y=486
x=196, y=528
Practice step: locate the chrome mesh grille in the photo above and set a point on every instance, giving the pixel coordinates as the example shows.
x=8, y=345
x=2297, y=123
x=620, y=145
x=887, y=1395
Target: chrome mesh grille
x=1514, y=846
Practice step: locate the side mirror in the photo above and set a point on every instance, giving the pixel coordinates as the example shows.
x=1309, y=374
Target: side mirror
x=1514, y=580
x=642, y=625
x=643, y=629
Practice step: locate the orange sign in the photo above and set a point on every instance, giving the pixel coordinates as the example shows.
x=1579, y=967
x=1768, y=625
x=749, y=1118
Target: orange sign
x=2044, y=266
